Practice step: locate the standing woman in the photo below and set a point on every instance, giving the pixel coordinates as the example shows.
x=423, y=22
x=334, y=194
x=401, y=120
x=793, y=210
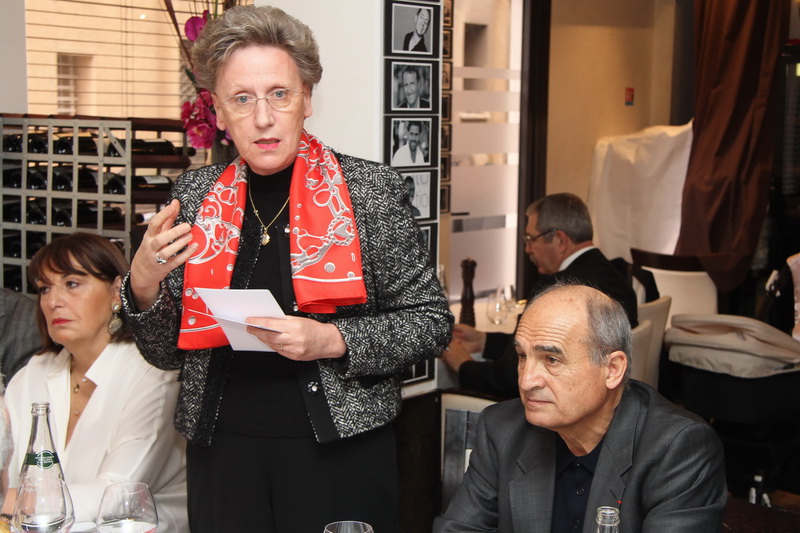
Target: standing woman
x=111, y=412
x=293, y=438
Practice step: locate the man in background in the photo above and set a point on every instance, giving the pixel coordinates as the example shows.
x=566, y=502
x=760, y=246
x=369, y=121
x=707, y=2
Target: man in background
x=414, y=41
x=558, y=240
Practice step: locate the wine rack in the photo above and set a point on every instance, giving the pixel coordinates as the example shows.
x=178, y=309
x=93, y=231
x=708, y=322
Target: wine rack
x=63, y=174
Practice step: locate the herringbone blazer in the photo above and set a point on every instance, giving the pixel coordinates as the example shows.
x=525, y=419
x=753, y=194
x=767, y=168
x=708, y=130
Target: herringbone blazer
x=406, y=318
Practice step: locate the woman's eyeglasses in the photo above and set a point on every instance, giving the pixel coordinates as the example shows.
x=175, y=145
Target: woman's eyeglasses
x=278, y=99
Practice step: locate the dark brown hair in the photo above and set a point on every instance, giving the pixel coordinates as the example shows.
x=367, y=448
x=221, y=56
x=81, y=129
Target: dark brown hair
x=82, y=254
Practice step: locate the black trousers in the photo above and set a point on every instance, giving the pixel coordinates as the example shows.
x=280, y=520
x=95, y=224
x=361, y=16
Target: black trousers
x=271, y=485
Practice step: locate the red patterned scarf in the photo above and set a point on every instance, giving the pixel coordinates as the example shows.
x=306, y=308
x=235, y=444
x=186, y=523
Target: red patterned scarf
x=324, y=245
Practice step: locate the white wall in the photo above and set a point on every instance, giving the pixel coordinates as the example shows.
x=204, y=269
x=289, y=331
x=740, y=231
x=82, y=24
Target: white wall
x=347, y=102
x=597, y=50
x=14, y=78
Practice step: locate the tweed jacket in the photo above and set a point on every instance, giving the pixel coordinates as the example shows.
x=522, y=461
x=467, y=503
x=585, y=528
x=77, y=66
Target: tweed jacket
x=405, y=319
x=661, y=466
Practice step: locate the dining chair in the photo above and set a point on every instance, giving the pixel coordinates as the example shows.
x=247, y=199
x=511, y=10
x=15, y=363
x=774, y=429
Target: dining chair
x=656, y=312
x=460, y=413
x=682, y=277
x=640, y=347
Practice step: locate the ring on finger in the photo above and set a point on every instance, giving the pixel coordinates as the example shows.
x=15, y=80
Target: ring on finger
x=160, y=260
x=280, y=348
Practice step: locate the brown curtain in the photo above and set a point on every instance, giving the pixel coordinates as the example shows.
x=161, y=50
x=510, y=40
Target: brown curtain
x=725, y=197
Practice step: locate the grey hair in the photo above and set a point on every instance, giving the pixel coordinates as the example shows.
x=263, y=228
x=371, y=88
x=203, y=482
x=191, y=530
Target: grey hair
x=565, y=212
x=250, y=25
x=608, y=326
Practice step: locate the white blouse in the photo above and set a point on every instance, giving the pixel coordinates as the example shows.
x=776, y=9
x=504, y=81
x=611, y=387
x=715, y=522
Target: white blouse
x=125, y=433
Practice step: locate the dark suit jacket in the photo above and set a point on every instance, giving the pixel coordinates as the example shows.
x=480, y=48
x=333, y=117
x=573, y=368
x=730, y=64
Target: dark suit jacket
x=663, y=464
x=420, y=47
x=498, y=374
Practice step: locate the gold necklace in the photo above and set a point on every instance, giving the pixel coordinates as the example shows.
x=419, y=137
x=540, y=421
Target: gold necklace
x=265, y=227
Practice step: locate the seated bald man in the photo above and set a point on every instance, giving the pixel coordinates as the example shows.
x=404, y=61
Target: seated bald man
x=585, y=436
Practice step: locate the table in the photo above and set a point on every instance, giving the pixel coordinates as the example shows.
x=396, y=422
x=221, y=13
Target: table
x=744, y=517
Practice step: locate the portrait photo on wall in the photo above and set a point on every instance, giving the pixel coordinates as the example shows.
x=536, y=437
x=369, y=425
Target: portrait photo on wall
x=447, y=13
x=422, y=188
x=444, y=168
x=430, y=234
x=447, y=43
x=413, y=29
x=411, y=86
x=447, y=75
x=447, y=107
x=412, y=142
x=446, y=140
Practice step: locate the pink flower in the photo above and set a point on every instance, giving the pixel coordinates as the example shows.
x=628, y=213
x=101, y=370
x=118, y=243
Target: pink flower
x=194, y=25
x=199, y=120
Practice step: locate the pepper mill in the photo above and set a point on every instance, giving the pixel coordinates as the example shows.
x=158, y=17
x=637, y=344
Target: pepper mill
x=467, y=293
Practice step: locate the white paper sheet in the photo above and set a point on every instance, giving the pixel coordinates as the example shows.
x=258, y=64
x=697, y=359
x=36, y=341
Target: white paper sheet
x=230, y=307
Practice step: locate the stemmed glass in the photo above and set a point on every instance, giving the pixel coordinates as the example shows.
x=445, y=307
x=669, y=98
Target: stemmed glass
x=43, y=504
x=127, y=508
x=497, y=306
x=349, y=526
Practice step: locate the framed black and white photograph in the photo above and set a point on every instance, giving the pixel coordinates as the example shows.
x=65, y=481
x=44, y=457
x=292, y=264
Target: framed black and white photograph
x=411, y=86
x=447, y=107
x=414, y=30
x=447, y=13
x=447, y=75
x=447, y=43
x=444, y=168
x=422, y=187
x=413, y=142
x=444, y=198
x=446, y=141
x=430, y=234
x=419, y=372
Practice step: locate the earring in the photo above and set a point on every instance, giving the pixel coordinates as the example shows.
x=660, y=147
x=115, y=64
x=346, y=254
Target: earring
x=116, y=321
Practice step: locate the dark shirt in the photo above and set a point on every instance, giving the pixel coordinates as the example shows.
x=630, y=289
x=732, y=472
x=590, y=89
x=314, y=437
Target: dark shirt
x=574, y=477
x=262, y=396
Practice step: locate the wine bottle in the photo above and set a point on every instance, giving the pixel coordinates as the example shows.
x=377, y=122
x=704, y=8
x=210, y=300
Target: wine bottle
x=36, y=214
x=63, y=179
x=12, y=277
x=12, y=209
x=12, y=245
x=12, y=142
x=37, y=143
x=12, y=176
x=607, y=520
x=37, y=180
x=62, y=213
x=115, y=184
x=65, y=144
x=43, y=500
x=143, y=147
x=36, y=242
x=88, y=213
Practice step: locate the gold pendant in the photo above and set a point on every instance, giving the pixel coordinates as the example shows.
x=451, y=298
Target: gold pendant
x=264, y=236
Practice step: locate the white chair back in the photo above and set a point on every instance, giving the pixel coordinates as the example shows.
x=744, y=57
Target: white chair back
x=656, y=312
x=640, y=345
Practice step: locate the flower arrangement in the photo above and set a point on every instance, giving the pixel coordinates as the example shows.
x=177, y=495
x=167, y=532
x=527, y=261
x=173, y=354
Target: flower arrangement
x=198, y=116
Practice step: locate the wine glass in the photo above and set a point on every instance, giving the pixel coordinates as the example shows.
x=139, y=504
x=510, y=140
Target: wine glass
x=349, y=526
x=43, y=504
x=496, y=308
x=127, y=508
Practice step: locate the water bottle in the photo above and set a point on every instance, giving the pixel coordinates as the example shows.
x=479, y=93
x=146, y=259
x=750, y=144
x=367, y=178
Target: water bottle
x=43, y=500
x=607, y=520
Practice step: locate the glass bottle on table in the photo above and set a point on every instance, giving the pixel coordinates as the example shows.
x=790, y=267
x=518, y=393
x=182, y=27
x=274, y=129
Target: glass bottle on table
x=607, y=520
x=43, y=501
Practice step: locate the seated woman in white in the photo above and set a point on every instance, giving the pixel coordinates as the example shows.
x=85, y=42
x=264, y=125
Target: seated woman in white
x=110, y=411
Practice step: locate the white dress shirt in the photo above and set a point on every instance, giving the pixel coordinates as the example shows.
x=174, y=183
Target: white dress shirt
x=125, y=433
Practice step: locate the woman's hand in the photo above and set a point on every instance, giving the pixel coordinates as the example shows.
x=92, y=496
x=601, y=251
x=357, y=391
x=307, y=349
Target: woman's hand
x=298, y=338
x=156, y=256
